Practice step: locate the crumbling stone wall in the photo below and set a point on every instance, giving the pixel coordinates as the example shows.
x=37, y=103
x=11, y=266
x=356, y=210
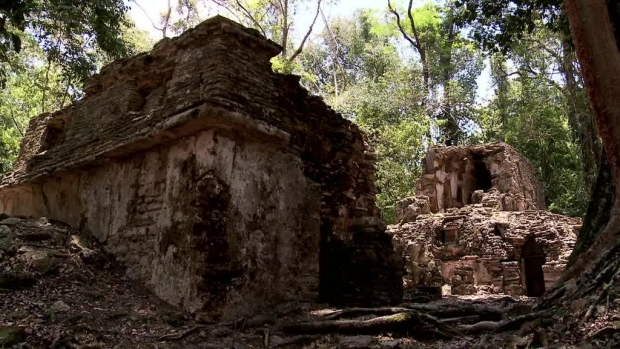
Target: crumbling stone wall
x=452, y=175
x=214, y=180
x=490, y=238
x=483, y=250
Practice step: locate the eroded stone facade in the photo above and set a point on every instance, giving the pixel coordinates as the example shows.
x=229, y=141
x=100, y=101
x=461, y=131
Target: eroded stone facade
x=481, y=238
x=217, y=182
x=453, y=175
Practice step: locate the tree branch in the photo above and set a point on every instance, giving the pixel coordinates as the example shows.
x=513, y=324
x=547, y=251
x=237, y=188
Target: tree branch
x=249, y=15
x=416, y=44
x=413, y=30
x=16, y=124
x=146, y=14
x=227, y=8
x=303, y=41
x=545, y=48
x=281, y=5
x=47, y=80
x=333, y=46
x=166, y=19
x=65, y=94
x=400, y=27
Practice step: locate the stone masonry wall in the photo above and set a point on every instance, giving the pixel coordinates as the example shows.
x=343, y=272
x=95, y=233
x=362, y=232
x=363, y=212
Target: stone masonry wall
x=217, y=182
x=202, y=222
x=485, y=253
x=477, y=223
x=453, y=174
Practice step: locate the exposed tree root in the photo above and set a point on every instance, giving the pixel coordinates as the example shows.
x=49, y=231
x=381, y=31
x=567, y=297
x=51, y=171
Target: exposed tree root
x=514, y=323
x=461, y=320
x=482, y=326
x=507, y=299
x=602, y=332
x=557, y=293
x=452, y=311
x=295, y=340
x=355, y=312
x=181, y=335
x=465, y=312
x=603, y=276
x=411, y=322
x=505, y=325
x=601, y=295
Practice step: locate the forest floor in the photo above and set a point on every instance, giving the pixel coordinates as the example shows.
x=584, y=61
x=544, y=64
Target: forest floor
x=58, y=290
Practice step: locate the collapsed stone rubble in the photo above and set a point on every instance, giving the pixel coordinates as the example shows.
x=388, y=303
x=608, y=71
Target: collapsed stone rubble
x=224, y=187
x=478, y=224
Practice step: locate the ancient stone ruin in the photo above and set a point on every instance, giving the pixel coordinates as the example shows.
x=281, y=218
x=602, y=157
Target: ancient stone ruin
x=459, y=176
x=224, y=187
x=478, y=224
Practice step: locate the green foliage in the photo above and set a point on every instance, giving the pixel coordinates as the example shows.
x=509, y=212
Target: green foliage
x=356, y=67
x=500, y=24
x=540, y=132
x=283, y=66
x=32, y=88
x=188, y=16
x=540, y=104
x=71, y=33
x=276, y=20
x=450, y=64
x=349, y=51
x=397, y=128
x=37, y=83
x=530, y=111
x=137, y=40
x=363, y=65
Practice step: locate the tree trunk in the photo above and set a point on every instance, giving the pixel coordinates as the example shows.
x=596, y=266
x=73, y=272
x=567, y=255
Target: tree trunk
x=579, y=118
x=599, y=57
x=451, y=129
x=425, y=76
x=285, y=27
x=598, y=212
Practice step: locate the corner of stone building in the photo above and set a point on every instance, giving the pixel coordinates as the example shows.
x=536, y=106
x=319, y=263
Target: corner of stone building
x=196, y=198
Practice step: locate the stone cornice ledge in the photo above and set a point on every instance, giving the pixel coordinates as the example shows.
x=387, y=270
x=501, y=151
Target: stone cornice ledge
x=186, y=123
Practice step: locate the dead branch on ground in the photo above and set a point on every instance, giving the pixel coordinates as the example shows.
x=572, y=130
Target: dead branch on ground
x=410, y=322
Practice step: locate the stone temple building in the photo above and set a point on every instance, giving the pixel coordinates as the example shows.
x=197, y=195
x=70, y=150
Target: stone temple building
x=478, y=224
x=222, y=186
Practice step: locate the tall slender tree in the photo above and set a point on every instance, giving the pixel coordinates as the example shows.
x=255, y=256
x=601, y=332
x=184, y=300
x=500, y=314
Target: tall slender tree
x=599, y=55
x=450, y=64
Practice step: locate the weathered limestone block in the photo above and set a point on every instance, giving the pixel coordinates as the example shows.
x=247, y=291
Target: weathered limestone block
x=477, y=216
x=408, y=209
x=495, y=175
x=508, y=252
x=216, y=181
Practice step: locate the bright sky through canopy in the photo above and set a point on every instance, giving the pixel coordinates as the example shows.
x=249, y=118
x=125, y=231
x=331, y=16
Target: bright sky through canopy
x=154, y=8
x=150, y=10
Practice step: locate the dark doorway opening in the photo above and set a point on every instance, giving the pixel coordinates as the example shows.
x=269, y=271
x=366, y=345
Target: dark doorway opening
x=533, y=260
x=448, y=235
x=330, y=250
x=481, y=174
x=498, y=230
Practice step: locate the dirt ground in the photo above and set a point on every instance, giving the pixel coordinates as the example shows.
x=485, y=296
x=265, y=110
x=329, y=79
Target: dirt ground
x=57, y=290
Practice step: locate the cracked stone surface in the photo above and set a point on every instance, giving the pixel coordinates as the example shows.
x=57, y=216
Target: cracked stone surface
x=477, y=225
x=215, y=181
